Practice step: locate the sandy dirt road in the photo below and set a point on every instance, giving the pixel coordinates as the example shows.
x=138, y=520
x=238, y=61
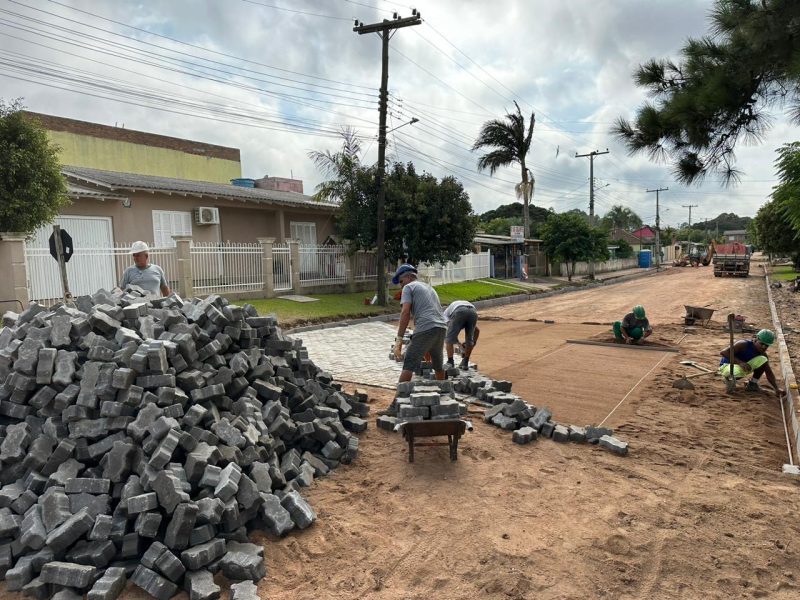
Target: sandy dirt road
x=698, y=509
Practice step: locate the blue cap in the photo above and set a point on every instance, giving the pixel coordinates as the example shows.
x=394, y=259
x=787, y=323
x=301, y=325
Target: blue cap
x=401, y=270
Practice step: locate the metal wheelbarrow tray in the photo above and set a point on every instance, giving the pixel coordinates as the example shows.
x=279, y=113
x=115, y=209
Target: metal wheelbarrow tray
x=698, y=313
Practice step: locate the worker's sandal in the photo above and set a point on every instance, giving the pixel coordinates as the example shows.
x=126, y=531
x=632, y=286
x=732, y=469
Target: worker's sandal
x=752, y=386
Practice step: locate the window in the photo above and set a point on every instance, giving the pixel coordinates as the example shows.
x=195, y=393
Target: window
x=305, y=232
x=167, y=223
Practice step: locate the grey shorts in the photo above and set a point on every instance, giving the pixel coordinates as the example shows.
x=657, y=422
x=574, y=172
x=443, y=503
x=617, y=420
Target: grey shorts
x=431, y=341
x=464, y=318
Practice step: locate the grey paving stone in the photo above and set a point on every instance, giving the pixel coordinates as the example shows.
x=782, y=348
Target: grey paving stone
x=523, y=435
x=201, y=555
x=60, y=538
x=278, y=519
x=109, y=586
x=560, y=434
x=577, y=434
x=154, y=584
x=180, y=526
x=243, y=561
x=78, y=485
x=244, y=590
x=614, y=445
x=147, y=524
x=68, y=574
x=200, y=585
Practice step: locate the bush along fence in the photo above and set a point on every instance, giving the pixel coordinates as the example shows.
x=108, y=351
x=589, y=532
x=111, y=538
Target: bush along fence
x=237, y=270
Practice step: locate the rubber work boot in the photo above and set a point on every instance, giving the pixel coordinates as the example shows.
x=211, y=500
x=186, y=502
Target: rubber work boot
x=752, y=386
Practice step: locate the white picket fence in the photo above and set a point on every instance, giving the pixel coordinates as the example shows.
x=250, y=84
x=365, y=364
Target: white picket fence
x=617, y=264
x=89, y=270
x=226, y=268
x=323, y=265
x=281, y=267
x=220, y=267
x=469, y=267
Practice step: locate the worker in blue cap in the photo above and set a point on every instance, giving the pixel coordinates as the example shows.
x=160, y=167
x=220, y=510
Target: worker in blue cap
x=421, y=301
x=750, y=357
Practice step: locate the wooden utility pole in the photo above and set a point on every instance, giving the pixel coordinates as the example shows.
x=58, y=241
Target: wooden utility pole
x=658, y=228
x=384, y=30
x=591, y=156
x=690, y=207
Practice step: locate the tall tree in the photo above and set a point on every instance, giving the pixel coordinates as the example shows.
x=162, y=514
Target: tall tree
x=621, y=217
x=787, y=193
x=511, y=141
x=427, y=220
x=721, y=91
x=340, y=167
x=568, y=238
x=32, y=189
x=773, y=233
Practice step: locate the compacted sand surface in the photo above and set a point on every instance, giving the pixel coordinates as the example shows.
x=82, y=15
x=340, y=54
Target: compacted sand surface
x=698, y=509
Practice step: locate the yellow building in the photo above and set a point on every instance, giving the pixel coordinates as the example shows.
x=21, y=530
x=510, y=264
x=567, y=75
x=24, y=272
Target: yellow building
x=96, y=146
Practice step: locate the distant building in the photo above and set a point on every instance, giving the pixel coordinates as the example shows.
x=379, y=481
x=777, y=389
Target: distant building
x=735, y=235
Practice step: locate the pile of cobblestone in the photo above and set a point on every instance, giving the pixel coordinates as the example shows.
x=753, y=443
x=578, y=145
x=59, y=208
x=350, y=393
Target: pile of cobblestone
x=145, y=439
x=429, y=399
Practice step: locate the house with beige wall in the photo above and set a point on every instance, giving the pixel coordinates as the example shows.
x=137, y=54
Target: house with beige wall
x=128, y=185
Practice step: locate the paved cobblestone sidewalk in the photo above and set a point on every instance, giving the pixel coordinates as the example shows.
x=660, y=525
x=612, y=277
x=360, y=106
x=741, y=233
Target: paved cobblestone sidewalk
x=355, y=353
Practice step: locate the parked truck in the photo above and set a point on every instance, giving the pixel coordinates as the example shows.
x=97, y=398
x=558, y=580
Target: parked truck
x=731, y=259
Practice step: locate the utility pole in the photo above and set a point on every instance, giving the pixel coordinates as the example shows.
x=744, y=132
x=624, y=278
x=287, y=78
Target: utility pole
x=591, y=156
x=658, y=228
x=690, y=207
x=384, y=30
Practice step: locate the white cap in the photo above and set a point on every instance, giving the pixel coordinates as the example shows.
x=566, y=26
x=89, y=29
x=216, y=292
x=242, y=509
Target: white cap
x=137, y=247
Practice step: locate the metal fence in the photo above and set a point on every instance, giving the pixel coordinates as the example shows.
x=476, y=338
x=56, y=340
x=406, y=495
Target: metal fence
x=224, y=267
x=469, y=267
x=323, y=265
x=366, y=266
x=281, y=267
x=89, y=270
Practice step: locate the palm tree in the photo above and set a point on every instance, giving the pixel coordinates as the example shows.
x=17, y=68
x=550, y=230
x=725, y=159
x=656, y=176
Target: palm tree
x=622, y=217
x=511, y=143
x=340, y=166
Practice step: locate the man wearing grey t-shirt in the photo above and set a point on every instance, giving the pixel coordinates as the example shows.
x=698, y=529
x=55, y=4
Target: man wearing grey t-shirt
x=420, y=300
x=143, y=274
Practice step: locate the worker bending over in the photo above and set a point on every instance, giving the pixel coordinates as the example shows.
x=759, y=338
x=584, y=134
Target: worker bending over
x=420, y=300
x=461, y=315
x=634, y=327
x=750, y=356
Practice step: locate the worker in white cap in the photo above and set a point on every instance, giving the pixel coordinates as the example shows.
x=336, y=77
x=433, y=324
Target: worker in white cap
x=143, y=274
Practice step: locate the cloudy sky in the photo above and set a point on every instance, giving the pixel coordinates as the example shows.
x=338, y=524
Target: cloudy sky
x=278, y=78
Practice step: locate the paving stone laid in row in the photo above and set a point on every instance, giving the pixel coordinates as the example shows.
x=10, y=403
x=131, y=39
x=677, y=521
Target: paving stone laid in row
x=424, y=398
x=356, y=353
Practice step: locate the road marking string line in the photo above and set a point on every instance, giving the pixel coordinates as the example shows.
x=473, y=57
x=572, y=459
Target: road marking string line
x=666, y=355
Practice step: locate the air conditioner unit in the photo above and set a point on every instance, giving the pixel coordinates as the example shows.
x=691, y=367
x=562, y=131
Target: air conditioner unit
x=206, y=215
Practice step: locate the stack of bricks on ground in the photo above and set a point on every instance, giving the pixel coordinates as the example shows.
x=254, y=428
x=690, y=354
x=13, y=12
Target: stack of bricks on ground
x=144, y=440
x=422, y=399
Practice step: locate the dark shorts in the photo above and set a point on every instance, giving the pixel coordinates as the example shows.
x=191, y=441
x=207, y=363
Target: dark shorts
x=431, y=341
x=464, y=318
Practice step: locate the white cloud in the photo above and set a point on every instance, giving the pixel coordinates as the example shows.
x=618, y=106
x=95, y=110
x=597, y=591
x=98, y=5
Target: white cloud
x=571, y=62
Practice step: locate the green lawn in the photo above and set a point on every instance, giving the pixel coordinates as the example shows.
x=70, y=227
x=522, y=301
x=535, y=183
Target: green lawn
x=783, y=273
x=335, y=307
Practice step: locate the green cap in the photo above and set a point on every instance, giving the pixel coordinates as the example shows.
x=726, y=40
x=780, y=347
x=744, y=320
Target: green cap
x=638, y=311
x=765, y=336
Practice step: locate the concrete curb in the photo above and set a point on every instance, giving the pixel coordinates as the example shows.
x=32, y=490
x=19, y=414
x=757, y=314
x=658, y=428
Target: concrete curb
x=793, y=402
x=491, y=303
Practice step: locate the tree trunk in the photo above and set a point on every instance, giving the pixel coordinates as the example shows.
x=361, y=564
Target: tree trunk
x=526, y=225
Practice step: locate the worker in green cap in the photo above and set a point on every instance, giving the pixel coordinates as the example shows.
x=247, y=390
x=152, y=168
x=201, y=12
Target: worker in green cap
x=750, y=357
x=633, y=328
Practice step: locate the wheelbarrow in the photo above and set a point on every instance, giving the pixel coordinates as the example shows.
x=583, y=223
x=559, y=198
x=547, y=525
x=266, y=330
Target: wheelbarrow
x=697, y=314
